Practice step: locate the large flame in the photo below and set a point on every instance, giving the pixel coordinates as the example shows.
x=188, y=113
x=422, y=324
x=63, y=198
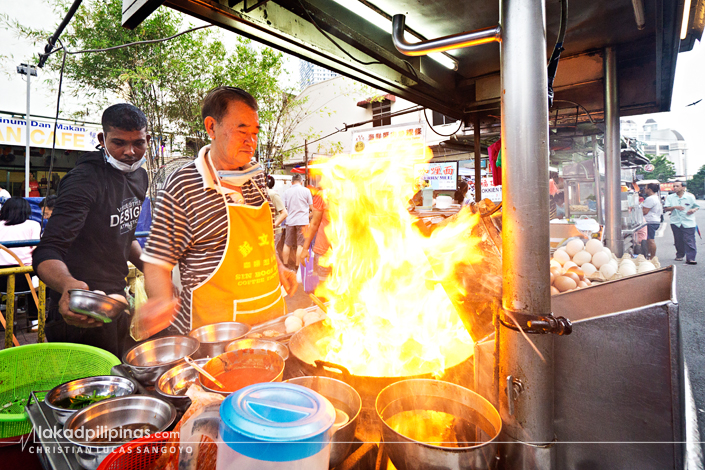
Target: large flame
x=389, y=308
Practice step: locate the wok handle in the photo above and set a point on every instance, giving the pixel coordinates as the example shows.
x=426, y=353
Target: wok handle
x=321, y=364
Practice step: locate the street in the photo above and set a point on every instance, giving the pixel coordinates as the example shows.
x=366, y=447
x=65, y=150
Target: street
x=690, y=288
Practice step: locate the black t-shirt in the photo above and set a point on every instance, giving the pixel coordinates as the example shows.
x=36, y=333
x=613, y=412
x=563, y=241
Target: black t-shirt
x=93, y=223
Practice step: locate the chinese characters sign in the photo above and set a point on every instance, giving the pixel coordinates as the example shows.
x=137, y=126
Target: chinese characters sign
x=362, y=137
x=439, y=175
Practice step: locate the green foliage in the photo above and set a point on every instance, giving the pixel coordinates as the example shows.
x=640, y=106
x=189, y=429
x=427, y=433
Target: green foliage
x=696, y=185
x=663, y=168
x=167, y=80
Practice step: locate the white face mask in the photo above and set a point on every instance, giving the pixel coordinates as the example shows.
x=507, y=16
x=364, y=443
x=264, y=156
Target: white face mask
x=239, y=178
x=120, y=166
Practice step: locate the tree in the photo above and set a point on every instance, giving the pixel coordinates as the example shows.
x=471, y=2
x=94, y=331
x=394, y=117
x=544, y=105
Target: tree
x=663, y=168
x=167, y=80
x=697, y=184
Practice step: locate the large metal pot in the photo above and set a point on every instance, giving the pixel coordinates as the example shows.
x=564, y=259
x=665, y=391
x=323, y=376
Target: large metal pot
x=474, y=426
x=307, y=350
x=215, y=338
x=149, y=360
x=344, y=398
x=87, y=429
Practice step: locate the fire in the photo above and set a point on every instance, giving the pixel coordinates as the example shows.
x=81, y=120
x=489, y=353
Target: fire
x=389, y=308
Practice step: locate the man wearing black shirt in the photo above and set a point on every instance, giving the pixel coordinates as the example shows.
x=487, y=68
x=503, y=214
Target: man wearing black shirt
x=91, y=234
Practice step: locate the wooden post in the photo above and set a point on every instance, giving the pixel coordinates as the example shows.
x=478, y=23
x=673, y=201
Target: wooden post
x=306, y=162
x=41, y=320
x=10, y=312
x=478, y=160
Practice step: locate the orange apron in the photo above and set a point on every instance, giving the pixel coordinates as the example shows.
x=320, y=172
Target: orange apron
x=245, y=286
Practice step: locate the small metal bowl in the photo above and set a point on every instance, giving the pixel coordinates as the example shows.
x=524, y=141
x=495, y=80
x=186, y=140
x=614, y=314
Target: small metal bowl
x=172, y=385
x=102, y=385
x=89, y=428
x=149, y=360
x=214, y=338
x=95, y=305
x=251, y=343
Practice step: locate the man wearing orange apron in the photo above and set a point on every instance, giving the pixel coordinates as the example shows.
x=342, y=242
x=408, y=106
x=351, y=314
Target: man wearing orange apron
x=213, y=218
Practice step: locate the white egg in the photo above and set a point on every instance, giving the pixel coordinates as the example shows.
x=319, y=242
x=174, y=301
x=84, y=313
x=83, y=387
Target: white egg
x=582, y=257
x=574, y=246
x=293, y=324
x=607, y=270
x=607, y=250
x=600, y=258
x=645, y=267
x=311, y=317
x=593, y=246
x=627, y=269
x=614, y=263
x=568, y=265
x=627, y=261
x=555, y=264
x=299, y=313
x=561, y=256
x=588, y=269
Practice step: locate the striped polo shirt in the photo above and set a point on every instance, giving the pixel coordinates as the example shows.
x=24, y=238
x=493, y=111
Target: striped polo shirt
x=190, y=227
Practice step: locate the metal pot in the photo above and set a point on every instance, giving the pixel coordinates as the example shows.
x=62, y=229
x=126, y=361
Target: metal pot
x=230, y=362
x=149, y=360
x=215, y=338
x=113, y=414
x=102, y=385
x=252, y=343
x=172, y=384
x=344, y=398
x=476, y=425
x=309, y=355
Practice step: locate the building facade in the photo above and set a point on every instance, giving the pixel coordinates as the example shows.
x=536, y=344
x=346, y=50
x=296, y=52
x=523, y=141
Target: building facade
x=657, y=142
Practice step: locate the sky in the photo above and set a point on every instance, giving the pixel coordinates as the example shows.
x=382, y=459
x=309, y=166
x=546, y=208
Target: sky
x=689, y=84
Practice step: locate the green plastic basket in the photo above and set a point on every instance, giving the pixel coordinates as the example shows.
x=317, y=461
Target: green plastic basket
x=37, y=367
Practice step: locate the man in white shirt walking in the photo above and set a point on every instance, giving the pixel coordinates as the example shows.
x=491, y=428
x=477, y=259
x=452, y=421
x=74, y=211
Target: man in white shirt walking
x=653, y=211
x=682, y=207
x=298, y=202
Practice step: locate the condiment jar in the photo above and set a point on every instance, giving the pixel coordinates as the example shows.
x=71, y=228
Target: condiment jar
x=267, y=426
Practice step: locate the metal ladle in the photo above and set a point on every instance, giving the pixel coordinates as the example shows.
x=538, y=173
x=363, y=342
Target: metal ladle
x=190, y=362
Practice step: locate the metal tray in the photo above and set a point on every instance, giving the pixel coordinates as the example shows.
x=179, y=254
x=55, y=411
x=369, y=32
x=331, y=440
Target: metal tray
x=276, y=325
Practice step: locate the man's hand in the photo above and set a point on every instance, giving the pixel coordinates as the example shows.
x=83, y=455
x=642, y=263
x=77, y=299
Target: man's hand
x=153, y=317
x=72, y=318
x=287, y=277
x=678, y=208
x=691, y=211
x=303, y=257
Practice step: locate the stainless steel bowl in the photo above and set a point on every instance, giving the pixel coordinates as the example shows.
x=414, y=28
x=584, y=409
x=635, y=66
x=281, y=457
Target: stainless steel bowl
x=235, y=361
x=344, y=398
x=149, y=360
x=251, y=343
x=476, y=425
x=88, y=428
x=172, y=385
x=95, y=305
x=216, y=337
x=102, y=385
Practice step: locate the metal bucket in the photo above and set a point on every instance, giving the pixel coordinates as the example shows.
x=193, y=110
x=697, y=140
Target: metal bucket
x=471, y=426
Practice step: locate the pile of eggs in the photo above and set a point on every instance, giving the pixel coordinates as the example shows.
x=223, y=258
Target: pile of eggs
x=596, y=262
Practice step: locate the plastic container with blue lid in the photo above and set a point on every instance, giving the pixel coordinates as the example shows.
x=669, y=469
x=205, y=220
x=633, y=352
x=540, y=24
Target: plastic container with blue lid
x=275, y=425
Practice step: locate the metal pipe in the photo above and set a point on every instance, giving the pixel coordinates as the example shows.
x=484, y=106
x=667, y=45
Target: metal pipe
x=10, y=311
x=26, y=157
x=478, y=160
x=52, y=40
x=598, y=190
x=613, y=186
x=446, y=43
x=525, y=237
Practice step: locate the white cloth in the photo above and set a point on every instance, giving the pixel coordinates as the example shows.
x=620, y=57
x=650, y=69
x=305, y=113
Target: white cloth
x=27, y=230
x=653, y=203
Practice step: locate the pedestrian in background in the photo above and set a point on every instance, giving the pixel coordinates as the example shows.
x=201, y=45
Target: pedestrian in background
x=653, y=212
x=280, y=209
x=682, y=207
x=299, y=203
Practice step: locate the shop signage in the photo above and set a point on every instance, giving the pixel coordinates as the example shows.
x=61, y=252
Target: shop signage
x=41, y=135
x=362, y=137
x=649, y=168
x=489, y=191
x=439, y=175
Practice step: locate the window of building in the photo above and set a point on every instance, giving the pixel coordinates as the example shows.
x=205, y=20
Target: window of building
x=441, y=119
x=380, y=109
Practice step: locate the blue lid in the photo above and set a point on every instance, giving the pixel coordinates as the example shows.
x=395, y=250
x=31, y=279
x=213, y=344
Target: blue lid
x=287, y=421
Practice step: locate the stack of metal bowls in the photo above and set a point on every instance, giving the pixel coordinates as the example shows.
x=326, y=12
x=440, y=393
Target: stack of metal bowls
x=215, y=338
x=174, y=383
x=252, y=343
x=101, y=385
x=105, y=426
x=149, y=360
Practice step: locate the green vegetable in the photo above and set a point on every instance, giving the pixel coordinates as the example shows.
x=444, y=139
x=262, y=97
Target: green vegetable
x=82, y=401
